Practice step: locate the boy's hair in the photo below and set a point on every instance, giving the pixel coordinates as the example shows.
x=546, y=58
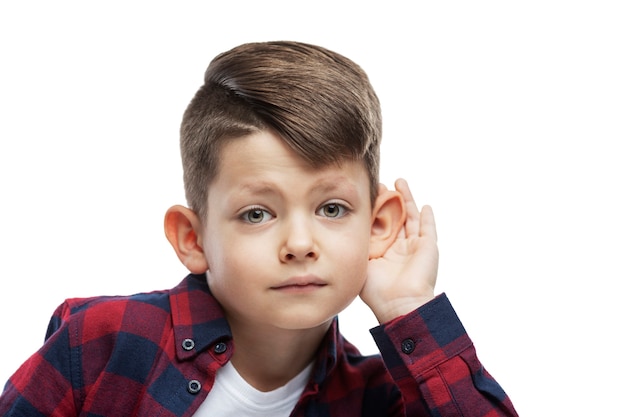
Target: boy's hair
x=319, y=102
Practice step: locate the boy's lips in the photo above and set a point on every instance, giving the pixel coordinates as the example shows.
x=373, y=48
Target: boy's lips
x=300, y=283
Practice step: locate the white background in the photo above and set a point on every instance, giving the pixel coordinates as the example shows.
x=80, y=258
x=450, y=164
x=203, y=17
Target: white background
x=507, y=117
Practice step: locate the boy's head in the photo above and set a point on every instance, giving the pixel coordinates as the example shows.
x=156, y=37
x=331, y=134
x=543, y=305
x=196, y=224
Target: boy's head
x=280, y=151
x=319, y=102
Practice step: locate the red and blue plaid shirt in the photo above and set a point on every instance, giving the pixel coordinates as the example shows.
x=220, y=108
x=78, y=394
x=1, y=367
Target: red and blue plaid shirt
x=156, y=354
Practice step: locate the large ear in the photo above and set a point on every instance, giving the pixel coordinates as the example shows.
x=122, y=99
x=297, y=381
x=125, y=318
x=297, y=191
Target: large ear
x=183, y=230
x=388, y=217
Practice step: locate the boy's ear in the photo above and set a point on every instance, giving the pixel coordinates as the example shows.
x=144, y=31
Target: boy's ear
x=388, y=217
x=183, y=230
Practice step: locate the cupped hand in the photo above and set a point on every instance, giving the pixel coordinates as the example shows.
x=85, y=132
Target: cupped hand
x=404, y=278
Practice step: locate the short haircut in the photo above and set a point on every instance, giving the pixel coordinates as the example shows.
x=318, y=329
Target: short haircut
x=318, y=101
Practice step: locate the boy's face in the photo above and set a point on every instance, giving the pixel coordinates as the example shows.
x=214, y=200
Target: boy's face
x=286, y=244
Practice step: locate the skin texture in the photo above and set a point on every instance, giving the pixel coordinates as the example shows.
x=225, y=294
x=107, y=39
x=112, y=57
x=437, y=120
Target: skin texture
x=286, y=247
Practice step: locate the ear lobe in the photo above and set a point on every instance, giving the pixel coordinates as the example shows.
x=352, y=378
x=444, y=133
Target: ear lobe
x=183, y=231
x=388, y=217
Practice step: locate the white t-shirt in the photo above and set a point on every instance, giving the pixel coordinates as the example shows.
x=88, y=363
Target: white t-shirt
x=232, y=396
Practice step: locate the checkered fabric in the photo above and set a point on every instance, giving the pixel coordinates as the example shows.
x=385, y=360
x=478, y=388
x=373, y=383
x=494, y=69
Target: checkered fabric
x=156, y=354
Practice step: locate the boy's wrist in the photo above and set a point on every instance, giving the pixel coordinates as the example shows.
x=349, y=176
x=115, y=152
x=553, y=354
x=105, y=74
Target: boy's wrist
x=398, y=308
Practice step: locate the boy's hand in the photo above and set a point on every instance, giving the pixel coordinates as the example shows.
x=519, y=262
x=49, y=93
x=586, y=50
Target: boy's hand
x=404, y=277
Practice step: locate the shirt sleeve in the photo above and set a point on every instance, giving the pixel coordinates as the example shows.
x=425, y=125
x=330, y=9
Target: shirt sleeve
x=42, y=385
x=434, y=364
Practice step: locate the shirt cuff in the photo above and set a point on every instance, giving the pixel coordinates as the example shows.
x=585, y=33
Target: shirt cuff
x=422, y=339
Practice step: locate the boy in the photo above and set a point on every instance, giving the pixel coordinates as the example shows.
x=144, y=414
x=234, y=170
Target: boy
x=286, y=225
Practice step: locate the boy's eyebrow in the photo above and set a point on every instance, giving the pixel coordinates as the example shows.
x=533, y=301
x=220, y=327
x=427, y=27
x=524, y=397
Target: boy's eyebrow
x=260, y=187
x=324, y=185
x=334, y=184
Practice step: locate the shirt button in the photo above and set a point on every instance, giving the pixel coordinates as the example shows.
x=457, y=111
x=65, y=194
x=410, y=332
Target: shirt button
x=220, y=348
x=188, y=344
x=194, y=386
x=407, y=346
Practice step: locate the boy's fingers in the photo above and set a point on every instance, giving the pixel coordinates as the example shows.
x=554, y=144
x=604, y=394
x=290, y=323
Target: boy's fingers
x=412, y=225
x=427, y=223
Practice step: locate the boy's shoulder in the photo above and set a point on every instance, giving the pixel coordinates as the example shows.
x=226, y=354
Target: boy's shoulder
x=188, y=310
x=118, y=306
x=102, y=316
x=115, y=303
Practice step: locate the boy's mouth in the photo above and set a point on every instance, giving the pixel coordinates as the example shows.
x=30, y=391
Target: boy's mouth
x=300, y=284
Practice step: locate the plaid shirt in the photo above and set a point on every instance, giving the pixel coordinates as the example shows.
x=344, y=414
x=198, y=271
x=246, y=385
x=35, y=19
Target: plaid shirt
x=156, y=354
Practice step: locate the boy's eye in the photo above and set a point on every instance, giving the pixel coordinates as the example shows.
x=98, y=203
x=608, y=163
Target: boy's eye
x=332, y=210
x=256, y=216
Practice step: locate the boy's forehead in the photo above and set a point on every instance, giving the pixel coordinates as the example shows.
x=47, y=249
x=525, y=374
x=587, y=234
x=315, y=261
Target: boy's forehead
x=335, y=180
x=237, y=147
x=261, y=162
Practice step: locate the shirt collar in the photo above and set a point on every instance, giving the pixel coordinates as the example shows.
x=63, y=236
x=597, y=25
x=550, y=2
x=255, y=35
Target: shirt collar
x=197, y=317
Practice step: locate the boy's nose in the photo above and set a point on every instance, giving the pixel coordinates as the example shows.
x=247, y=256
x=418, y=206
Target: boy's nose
x=299, y=243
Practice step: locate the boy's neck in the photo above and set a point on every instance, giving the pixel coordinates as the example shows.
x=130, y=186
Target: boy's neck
x=269, y=358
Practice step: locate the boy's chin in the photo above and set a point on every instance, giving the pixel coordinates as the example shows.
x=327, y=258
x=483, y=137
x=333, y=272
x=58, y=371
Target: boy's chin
x=307, y=320
x=304, y=322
